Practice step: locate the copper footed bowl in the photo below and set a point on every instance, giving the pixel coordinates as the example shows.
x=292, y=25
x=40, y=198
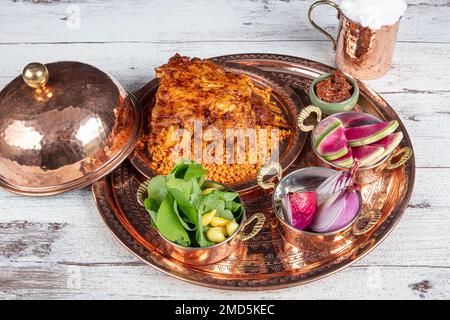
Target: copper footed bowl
x=365, y=174
x=309, y=179
x=217, y=252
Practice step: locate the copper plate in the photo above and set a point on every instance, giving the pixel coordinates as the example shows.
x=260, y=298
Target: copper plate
x=266, y=261
x=282, y=95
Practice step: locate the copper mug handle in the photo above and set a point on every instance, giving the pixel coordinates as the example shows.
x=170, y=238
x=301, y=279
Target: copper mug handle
x=316, y=26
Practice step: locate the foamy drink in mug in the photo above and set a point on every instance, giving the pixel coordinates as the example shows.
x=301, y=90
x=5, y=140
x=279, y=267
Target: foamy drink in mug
x=366, y=35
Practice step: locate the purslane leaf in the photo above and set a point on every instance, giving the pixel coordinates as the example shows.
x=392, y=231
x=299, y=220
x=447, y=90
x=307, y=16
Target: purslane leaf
x=186, y=207
x=195, y=171
x=181, y=185
x=183, y=222
x=152, y=209
x=157, y=189
x=176, y=204
x=168, y=223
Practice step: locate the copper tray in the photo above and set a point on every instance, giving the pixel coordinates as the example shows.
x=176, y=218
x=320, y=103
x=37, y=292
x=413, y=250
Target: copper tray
x=267, y=261
x=285, y=98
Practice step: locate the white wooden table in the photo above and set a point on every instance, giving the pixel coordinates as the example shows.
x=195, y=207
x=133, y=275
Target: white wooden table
x=58, y=247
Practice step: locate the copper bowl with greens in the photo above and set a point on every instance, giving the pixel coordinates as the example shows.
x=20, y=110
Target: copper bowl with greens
x=200, y=222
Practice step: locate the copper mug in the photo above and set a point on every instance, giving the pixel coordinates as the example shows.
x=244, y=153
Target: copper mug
x=363, y=52
x=215, y=253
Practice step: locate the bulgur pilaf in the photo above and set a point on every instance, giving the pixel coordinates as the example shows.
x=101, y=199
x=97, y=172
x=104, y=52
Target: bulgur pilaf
x=198, y=91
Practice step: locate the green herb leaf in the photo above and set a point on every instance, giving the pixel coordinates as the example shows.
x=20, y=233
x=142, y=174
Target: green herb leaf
x=186, y=207
x=169, y=224
x=195, y=171
x=152, y=208
x=210, y=202
x=195, y=191
x=183, y=222
x=227, y=214
x=188, y=170
x=235, y=206
x=179, y=170
x=179, y=184
x=200, y=234
x=226, y=195
x=238, y=210
x=157, y=189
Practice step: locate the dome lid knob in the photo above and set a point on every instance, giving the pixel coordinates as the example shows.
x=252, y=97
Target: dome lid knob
x=35, y=75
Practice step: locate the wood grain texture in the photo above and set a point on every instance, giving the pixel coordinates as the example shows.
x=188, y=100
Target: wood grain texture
x=172, y=21
x=58, y=247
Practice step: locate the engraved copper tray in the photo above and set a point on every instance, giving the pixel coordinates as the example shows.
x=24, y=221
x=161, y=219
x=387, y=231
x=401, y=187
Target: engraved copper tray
x=266, y=261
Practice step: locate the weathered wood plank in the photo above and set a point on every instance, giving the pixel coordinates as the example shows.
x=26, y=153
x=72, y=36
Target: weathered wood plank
x=133, y=63
x=25, y=238
x=140, y=282
x=195, y=20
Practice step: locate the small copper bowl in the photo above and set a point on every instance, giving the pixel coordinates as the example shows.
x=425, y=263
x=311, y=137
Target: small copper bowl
x=217, y=252
x=309, y=179
x=366, y=173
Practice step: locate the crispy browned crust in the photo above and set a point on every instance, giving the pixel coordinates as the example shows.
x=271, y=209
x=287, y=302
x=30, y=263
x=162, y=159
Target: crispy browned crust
x=198, y=90
x=194, y=89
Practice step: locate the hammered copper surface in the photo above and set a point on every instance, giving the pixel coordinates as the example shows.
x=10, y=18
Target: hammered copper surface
x=66, y=133
x=267, y=261
x=212, y=254
x=282, y=95
x=309, y=178
x=361, y=51
x=329, y=164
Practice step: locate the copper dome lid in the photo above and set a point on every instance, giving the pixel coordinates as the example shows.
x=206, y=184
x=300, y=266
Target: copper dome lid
x=63, y=126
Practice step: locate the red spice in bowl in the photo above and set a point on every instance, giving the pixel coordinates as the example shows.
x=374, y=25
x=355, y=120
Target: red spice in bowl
x=334, y=88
